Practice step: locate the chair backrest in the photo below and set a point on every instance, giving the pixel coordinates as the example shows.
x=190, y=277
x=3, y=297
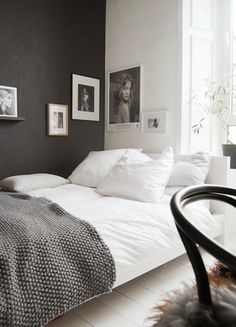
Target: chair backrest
x=191, y=236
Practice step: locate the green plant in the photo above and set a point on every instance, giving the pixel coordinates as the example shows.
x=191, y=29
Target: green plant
x=215, y=100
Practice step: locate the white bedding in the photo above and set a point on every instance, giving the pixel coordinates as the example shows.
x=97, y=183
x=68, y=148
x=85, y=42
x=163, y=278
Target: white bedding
x=134, y=231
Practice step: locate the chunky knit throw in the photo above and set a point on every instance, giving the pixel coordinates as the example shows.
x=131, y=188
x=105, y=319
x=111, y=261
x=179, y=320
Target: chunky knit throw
x=50, y=261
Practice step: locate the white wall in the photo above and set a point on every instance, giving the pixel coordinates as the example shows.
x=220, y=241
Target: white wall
x=145, y=32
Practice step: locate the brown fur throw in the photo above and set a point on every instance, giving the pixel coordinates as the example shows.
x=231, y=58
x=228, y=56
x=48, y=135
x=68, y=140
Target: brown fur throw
x=221, y=274
x=182, y=308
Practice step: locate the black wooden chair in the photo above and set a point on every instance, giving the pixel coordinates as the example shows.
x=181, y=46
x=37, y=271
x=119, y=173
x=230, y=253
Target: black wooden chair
x=208, y=305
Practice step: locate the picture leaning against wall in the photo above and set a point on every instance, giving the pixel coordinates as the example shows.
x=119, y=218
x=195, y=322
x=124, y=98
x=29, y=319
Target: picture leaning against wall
x=124, y=99
x=154, y=122
x=8, y=101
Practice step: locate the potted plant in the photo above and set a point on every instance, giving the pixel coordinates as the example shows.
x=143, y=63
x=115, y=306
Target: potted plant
x=216, y=101
x=229, y=149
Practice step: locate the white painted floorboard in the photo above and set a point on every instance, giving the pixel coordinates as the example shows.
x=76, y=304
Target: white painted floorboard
x=131, y=304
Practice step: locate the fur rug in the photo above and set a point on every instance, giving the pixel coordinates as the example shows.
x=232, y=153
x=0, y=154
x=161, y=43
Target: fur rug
x=182, y=308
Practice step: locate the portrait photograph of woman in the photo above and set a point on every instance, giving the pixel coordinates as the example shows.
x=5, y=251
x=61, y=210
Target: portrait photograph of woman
x=124, y=97
x=8, y=101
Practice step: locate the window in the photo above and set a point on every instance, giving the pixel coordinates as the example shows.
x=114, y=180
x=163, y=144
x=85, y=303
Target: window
x=233, y=55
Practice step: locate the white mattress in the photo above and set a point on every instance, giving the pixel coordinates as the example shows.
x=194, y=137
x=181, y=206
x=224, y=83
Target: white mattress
x=134, y=231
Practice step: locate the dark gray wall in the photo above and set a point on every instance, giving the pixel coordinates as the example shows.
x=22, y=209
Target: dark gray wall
x=42, y=42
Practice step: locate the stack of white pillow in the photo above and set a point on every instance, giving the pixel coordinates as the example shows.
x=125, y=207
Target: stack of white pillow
x=125, y=173
x=134, y=176
x=131, y=174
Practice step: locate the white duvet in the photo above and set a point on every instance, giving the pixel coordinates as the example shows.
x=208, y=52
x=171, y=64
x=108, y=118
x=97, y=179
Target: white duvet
x=134, y=231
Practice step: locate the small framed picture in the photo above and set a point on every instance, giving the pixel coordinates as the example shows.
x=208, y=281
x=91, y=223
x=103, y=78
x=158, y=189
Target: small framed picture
x=57, y=119
x=85, y=98
x=124, y=103
x=8, y=101
x=154, y=122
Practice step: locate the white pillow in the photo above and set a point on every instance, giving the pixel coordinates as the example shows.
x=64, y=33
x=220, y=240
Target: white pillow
x=132, y=156
x=97, y=165
x=24, y=183
x=141, y=181
x=172, y=190
x=190, y=169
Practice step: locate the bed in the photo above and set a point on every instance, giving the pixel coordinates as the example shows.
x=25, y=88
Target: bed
x=140, y=235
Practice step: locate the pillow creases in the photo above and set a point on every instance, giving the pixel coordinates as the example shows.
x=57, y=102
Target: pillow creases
x=141, y=181
x=97, y=165
x=25, y=183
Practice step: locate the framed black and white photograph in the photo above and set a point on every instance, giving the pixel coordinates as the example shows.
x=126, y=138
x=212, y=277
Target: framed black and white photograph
x=8, y=101
x=85, y=98
x=124, y=103
x=154, y=122
x=57, y=119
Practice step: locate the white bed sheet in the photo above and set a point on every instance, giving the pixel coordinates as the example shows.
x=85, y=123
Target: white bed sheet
x=134, y=231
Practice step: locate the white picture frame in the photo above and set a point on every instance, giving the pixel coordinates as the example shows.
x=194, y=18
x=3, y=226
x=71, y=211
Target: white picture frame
x=124, y=106
x=57, y=119
x=8, y=101
x=85, y=98
x=154, y=122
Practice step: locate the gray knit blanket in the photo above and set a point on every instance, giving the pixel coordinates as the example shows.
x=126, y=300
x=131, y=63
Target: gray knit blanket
x=50, y=261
